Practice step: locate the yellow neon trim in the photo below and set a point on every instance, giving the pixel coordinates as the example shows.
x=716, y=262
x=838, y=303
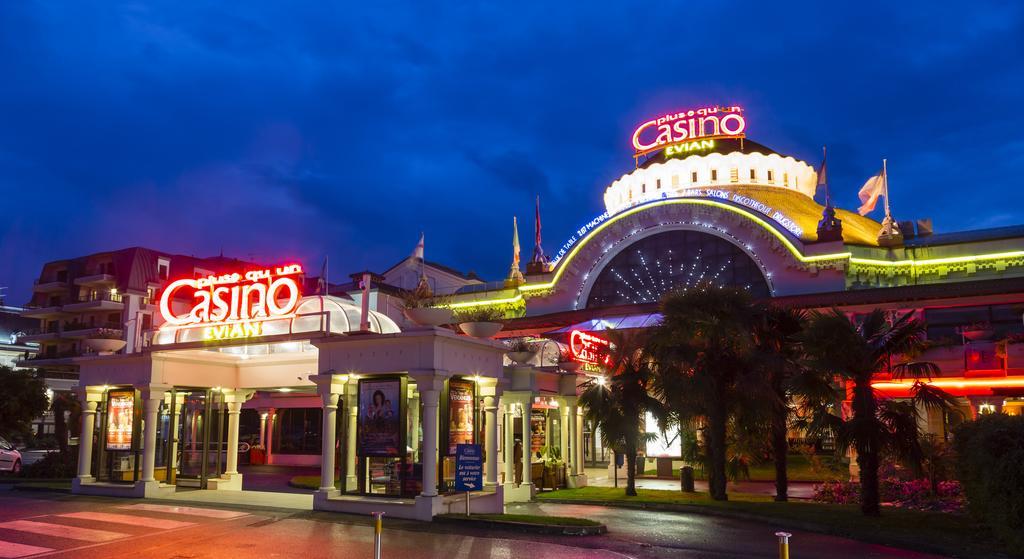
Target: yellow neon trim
x=563, y=263
x=464, y=304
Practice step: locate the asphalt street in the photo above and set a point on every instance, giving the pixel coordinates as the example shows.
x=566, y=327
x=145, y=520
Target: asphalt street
x=60, y=525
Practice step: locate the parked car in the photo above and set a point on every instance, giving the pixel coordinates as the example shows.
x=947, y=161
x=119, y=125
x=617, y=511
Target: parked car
x=10, y=458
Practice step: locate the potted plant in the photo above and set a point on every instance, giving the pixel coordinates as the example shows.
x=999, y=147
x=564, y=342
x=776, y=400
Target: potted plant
x=554, y=468
x=481, y=323
x=520, y=351
x=566, y=361
x=105, y=341
x=422, y=308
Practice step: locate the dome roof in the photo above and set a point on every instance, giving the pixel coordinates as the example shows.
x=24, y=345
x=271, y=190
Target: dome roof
x=314, y=314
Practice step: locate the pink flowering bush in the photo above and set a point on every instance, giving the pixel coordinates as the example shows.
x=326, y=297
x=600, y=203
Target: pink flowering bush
x=913, y=494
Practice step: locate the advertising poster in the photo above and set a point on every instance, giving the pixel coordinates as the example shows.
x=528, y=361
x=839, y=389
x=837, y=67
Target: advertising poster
x=120, y=418
x=538, y=425
x=460, y=413
x=379, y=424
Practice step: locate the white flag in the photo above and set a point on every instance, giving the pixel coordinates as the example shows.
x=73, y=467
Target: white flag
x=870, y=192
x=418, y=251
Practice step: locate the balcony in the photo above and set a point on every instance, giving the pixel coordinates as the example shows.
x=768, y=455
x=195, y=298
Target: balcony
x=95, y=280
x=51, y=311
x=82, y=332
x=49, y=286
x=33, y=336
x=97, y=301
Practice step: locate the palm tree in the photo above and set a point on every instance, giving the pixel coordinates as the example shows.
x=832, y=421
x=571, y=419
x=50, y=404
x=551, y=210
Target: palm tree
x=705, y=349
x=855, y=351
x=780, y=358
x=620, y=402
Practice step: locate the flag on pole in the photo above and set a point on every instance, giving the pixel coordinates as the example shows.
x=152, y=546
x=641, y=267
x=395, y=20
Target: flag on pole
x=537, y=236
x=418, y=251
x=871, y=191
x=823, y=176
x=322, y=285
x=515, y=243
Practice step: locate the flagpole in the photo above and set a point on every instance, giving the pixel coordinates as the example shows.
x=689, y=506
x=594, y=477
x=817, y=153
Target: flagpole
x=885, y=186
x=824, y=162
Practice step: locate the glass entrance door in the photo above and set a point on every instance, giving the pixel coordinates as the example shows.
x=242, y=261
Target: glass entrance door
x=201, y=434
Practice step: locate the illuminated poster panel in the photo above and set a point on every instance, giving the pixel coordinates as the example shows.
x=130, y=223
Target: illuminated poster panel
x=538, y=431
x=120, y=418
x=380, y=417
x=460, y=413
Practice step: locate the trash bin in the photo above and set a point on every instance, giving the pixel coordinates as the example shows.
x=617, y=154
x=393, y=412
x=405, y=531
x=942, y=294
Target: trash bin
x=686, y=478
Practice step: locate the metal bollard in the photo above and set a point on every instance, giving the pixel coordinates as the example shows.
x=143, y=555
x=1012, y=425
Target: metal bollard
x=783, y=544
x=378, y=516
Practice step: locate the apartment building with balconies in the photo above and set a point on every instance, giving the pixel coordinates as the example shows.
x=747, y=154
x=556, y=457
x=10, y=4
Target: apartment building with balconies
x=104, y=296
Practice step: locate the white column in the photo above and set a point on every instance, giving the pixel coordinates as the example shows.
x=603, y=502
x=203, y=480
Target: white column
x=510, y=443
x=263, y=428
x=329, y=441
x=573, y=441
x=579, y=440
x=563, y=439
x=231, y=465
x=85, y=439
x=351, y=479
x=526, y=454
x=271, y=419
x=414, y=426
x=491, y=440
x=430, y=399
x=175, y=423
x=151, y=399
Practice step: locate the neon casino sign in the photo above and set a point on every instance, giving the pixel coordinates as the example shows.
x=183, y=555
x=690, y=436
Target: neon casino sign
x=235, y=305
x=588, y=348
x=687, y=128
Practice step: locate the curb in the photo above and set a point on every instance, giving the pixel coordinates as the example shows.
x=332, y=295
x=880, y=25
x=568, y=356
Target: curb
x=25, y=487
x=544, y=529
x=913, y=545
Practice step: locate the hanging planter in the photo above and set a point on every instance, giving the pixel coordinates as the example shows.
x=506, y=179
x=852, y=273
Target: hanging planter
x=429, y=316
x=481, y=329
x=105, y=341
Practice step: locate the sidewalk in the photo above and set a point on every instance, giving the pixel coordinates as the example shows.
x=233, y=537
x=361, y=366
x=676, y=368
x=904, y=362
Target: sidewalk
x=797, y=489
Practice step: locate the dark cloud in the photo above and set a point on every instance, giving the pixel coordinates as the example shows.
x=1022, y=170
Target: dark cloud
x=305, y=129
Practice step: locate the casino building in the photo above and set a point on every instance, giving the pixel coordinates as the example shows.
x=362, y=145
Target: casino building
x=205, y=358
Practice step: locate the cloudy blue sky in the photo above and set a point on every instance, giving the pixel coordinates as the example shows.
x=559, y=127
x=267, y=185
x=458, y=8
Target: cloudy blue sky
x=277, y=130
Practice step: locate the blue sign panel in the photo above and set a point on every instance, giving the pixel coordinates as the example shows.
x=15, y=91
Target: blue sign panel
x=469, y=467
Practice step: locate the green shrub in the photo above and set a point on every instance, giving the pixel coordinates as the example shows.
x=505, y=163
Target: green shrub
x=53, y=466
x=990, y=465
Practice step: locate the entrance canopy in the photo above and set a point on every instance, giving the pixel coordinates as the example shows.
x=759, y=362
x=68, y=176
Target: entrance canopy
x=316, y=314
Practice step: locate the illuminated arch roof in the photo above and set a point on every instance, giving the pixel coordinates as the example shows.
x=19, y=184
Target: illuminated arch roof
x=314, y=314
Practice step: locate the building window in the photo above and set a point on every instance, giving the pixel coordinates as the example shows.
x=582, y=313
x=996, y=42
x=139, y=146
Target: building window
x=753, y=175
x=714, y=175
x=163, y=268
x=771, y=176
x=785, y=179
x=693, y=176
x=657, y=184
x=107, y=268
x=62, y=276
x=675, y=180
x=298, y=431
x=643, y=188
x=734, y=175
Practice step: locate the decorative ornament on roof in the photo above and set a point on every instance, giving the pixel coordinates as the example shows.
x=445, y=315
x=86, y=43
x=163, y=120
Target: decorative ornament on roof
x=539, y=263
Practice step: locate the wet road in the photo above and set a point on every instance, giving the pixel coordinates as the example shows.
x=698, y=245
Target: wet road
x=673, y=534
x=53, y=525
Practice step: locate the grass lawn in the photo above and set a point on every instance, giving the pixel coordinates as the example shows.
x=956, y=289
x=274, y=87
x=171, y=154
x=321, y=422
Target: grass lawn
x=305, y=482
x=57, y=484
x=529, y=519
x=799, y=468
x=947, y=533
